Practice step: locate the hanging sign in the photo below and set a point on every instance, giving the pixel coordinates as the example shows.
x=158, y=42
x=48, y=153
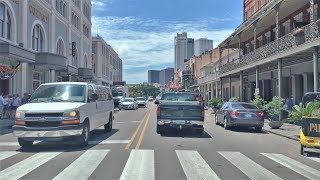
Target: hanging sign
x=7, y=72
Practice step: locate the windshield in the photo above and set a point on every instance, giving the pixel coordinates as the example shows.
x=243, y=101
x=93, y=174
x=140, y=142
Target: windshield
x=128, y=100
x=179, y=97
x=141, y=99
x=59, y=93
x=117, y=94
x=243, y=106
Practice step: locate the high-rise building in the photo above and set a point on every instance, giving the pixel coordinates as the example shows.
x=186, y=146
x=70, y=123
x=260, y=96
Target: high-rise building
x=153, y=76
x=202, y=45
x=107, y=65
x=166, y=75
x=184, y=49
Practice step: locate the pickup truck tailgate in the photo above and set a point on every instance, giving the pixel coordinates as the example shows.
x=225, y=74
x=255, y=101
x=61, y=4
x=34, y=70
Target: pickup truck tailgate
x=180, y=110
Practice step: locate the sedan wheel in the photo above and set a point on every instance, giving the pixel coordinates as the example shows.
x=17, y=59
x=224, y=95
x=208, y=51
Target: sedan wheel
x=225, y=125
x=216, y=120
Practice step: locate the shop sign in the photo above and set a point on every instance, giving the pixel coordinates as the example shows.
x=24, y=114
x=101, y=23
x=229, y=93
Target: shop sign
x=7, y=72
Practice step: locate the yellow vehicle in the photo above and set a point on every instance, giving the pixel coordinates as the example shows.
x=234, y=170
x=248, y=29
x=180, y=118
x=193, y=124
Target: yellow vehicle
x=310, y=127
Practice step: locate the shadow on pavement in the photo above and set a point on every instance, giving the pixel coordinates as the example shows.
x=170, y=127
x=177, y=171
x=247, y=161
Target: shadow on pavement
x=96, y=136
x=185, y=133
x=247, y=130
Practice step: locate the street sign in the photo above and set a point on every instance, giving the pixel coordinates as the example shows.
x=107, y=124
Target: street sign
x=257, y=91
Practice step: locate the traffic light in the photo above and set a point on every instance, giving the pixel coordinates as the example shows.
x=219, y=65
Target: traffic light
x=73, y=49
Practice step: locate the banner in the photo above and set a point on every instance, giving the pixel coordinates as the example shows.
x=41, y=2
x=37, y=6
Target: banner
x=7, y=72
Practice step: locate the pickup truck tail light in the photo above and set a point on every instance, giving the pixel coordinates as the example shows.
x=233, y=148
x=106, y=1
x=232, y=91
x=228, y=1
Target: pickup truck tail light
x=234, y=113
x=260, y=114
x=158, y=111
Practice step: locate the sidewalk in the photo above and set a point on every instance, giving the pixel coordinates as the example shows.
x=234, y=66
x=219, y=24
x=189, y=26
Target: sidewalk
x=290, y=131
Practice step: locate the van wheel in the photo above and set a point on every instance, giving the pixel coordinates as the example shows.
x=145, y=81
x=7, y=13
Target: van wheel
x=159, y=129
x=216, y=120
x=24, y=144
x=108, y=126
x=84, y=137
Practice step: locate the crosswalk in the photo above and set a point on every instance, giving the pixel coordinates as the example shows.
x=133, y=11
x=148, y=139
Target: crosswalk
x=141, y=165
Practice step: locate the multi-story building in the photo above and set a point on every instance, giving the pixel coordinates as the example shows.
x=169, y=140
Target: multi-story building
x=153, y=76
x=107, y=65
x=166, y=75
x=43, y=41
x=184, y=49
x=202, y=45
x=278, y=46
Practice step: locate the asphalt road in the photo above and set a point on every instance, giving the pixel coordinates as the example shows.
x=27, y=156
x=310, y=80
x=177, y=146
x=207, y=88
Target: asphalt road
x=133, y=150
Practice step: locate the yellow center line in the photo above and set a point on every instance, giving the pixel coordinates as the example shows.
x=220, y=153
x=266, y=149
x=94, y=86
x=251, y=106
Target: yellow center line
x=135, y=132
x=143, y=130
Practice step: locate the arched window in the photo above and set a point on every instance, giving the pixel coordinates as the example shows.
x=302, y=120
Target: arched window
x=37, y=38
x=75, y=59
x=5, y=22
x=60, y=47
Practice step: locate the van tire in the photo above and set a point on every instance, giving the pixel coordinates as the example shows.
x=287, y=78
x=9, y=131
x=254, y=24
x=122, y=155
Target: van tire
x=83, y=139
x=159, y=129
x=24, y=144
x=108, y=126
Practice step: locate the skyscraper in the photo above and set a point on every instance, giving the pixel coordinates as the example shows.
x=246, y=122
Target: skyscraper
x=166, y=75
x=201, y=45
x=184, y=49
x=153, y=76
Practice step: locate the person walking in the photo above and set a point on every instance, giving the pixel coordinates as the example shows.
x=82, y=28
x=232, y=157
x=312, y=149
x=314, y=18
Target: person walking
x=16, y=103
x=1, y=105
x=25, y=98
x=6, y=106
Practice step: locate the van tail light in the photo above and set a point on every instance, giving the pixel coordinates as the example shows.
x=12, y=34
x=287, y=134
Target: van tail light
x=158, y=110
x=260, y=115
x=202, y=112
x=234, y=113
x=310, y=140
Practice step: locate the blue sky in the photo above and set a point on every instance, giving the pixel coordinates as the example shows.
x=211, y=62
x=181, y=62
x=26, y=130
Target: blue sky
x=142, y=31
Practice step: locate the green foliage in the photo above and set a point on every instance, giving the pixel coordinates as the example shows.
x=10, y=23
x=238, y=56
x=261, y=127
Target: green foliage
x=275, y=107
x=143, y=90
x=214, y=102
x=234, y=99
x=312, y=109
x=220, y=104
x=259, y=102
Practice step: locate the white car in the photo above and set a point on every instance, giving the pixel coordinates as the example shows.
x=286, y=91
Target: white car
x=142, y=101
x=150, y=98
x=129, y=103
x=61, y=110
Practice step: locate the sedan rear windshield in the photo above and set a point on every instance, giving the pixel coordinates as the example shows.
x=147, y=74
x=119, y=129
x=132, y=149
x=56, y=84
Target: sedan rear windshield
x=128, y=100
x=141, y=99
x=179, y=97
x=244, y=106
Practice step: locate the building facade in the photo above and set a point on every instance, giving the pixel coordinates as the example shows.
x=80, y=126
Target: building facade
x=166, y=75
x=43, y=41
x=202, y=45
x=153, y=76
x=278, y=50
x=107, y=65
x=184, y=49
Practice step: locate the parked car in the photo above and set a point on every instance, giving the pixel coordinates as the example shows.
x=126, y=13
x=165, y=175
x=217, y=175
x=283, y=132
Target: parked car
x=129, y=103
x=150, y=98
x=61, y=110
x=239, y=114
x=179, y=110
x=142, y=101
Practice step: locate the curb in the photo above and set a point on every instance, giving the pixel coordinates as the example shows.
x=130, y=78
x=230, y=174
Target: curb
x=293, y=138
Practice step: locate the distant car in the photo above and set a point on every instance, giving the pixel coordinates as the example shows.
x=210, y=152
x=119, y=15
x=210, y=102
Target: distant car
x=239, y=114
x=150, y=98
x=142, y=101
x=129, y=103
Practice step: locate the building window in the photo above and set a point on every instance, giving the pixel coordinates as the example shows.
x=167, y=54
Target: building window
x=246, y=15
x=37, y=38
x=252, y=10
x=259, y=4
x=77, y=3
x=75, y=59
x=86, y=10
x=75, y=20
x=37, y=79
x=61, y=7
x=93, y=48
x=86, y=30
x=60, y=47
x=5, y=22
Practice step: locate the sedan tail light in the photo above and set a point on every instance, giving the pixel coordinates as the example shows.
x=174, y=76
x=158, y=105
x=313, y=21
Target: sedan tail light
x=234, y=113
x=260, y=114
x=202, y=112
x=158, y=110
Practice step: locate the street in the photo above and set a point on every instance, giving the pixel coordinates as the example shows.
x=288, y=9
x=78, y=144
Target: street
x=133, y=150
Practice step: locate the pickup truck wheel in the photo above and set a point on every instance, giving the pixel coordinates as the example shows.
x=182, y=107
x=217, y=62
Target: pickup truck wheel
x=84, y=137
x=24, y=144
x=108, y=126
x=159, y=129
x=216, y=120
x=225, y=125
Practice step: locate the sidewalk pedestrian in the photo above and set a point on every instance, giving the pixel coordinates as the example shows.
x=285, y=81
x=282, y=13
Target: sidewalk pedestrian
x=16, y=103
x=6, y=106
x=25, y=98
x=10, y=106
x=1, y=105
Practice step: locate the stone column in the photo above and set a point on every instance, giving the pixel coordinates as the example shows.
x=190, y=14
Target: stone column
x=312, y=18
x=315, y=69
x=230, y=87
x=277, y=8
x=280, y=77
x=221, y=88
x=241, y=87
x=52, y=75
x=217, y=90
x=255, y=35
x=240, y=48
x=257, y=77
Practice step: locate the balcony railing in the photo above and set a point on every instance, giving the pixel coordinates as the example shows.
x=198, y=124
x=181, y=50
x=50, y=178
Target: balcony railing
x=304, y=35
x=208, y=78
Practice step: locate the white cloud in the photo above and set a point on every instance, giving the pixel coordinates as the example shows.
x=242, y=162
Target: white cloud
x=150, y=42
x=101, y=5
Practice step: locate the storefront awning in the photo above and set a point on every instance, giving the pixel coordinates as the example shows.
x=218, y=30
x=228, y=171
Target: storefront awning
x=11, y=54
x=51, y=61
x=85, y=73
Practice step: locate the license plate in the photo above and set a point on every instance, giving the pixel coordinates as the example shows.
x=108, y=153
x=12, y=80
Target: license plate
x=247, y=115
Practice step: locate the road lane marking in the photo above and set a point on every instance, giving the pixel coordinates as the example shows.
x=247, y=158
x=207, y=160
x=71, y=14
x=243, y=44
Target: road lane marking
x=7, y=154
x=294, y=165
x=140, y=166
x=84, y=166
x=22, y=168
x=136, y=132
x=314, y=159
x=14, y=143
x=194, y=166
x=143, y=131
x=109, y=142
x=120, y=122
x=248, y=167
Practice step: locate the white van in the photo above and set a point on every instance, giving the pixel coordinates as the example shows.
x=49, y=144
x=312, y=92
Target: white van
x=57, y=111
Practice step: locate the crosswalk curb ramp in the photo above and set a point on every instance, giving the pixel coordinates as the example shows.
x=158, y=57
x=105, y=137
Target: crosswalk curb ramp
x=141, y=165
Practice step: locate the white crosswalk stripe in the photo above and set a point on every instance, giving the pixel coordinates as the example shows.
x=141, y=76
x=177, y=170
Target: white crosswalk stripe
x=248, y=167
x=83, y=167
x=7, y=154
x=140, y=166
x=24, y=167
x=194, y=166
x=294, y=165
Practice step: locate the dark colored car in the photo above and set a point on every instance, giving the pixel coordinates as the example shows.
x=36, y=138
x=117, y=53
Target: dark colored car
x=239, y=114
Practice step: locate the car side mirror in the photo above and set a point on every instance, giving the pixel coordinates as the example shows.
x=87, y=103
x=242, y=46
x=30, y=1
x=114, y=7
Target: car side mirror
x=94, y=97
x=156, y=101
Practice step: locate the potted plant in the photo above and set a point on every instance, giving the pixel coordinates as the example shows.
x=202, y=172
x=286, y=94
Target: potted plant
x=214, y=103
x=234, y=99
x=298, y=112
x=259, y=102
x=274, y=111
